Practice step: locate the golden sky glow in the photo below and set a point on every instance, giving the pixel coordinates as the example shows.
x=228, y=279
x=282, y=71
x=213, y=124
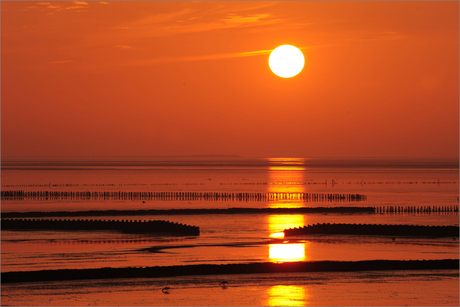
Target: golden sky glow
x=153, y=78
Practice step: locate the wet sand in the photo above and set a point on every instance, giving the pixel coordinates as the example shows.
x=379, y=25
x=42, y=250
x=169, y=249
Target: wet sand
x=383, y=288
x=241, y=268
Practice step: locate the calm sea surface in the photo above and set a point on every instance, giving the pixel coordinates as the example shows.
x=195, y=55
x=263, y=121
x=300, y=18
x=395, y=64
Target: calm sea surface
x=231, y=238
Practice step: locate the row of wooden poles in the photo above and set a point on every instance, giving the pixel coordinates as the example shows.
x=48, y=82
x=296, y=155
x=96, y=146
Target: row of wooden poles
x=128, y=226
x=415, y=209
x=187, y=196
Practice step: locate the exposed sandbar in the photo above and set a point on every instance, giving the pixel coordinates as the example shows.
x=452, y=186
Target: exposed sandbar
x=244, y=268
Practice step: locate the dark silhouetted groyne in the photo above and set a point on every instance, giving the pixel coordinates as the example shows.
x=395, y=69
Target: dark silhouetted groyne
x=416, y=209
x=136, y=226
x=215, y=269
x=344, y=210
x=185, y=196
x=238, y=210
x=375, y=230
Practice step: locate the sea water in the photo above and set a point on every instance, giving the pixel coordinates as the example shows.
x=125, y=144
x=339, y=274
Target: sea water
x=228, y=238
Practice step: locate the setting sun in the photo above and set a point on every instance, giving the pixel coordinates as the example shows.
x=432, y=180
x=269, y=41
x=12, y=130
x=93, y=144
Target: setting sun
x=286, y=61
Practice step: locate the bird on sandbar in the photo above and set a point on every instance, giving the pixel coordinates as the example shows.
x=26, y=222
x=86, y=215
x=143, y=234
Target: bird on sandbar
x=165, y=290
x=224, y=284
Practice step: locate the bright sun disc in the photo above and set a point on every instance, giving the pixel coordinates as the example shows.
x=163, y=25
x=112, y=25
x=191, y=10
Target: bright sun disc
x=286, y=61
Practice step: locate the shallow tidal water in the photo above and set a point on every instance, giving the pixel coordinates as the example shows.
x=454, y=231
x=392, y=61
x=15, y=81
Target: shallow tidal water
x=390, y=288
x=233, y=238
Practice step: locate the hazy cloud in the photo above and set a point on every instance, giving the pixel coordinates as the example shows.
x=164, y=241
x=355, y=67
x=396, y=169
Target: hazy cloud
x=28, y=8
x=78, y=6
x=213, y=56
x=232, y=18
x=228, y=22
x=163, y=18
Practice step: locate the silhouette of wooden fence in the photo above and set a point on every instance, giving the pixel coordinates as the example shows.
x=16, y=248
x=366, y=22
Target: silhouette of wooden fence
x=185, y=196
x=415, y=209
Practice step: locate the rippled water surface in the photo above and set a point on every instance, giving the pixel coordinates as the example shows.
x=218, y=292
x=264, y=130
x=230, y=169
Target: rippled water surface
x=230, y=238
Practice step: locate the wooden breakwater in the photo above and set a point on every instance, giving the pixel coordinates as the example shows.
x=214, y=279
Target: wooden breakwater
x=236, y=210
x=238, y=268
x=184, y=196
x=415, y=209
x=126, y=226
x=375, y=230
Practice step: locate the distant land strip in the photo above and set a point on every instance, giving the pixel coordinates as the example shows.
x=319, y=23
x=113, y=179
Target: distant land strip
x=142, y=212
x=374, y=230
x=184, y=196
x=215, y=269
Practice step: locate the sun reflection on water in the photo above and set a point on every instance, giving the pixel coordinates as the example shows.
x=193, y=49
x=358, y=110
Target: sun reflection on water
x=282, y=252
x=288, y=161
x=286, y=252
x=286, y=295
x=278, y=223
x=289, y=177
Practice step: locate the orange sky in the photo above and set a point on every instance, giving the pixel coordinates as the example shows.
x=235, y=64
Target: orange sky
x=381, y=79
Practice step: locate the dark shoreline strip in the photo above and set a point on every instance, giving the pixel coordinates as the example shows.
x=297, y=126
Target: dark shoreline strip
x=347, y=210
x=244, y=268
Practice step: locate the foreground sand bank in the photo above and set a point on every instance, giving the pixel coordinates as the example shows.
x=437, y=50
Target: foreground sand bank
x=243, y=268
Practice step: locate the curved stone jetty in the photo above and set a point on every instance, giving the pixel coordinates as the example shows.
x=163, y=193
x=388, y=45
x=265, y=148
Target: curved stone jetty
x=129, y=226
x=239, y=268
x=375, y=229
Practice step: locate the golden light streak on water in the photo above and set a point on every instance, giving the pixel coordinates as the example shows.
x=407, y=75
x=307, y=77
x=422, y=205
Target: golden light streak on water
x=288, y=178
x=287, y=175
x=286, y=252
x=286, y=295
x=287, y=168
x=289, y=161
x=278, y=223
x=277, y=235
